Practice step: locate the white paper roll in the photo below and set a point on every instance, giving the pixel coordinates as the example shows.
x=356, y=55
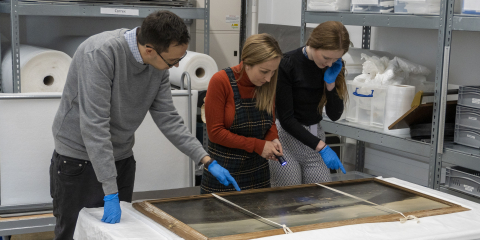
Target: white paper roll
x=398, y=102
x=201, y=68
x=41, y=70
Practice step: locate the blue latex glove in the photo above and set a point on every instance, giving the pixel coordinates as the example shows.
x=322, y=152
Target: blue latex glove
x=222, y=175
x=111, y=210
x=332, y=72
x=331, y=159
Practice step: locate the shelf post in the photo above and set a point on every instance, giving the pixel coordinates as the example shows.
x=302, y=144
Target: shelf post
x=206, y=27
x=367, y=30
x=15, y=46
x=441, y=86
x=360, y=156
x=303, y=24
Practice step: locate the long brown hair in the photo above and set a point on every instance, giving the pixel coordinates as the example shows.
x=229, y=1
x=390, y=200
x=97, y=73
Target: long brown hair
x=332, y=35
x=260, y=48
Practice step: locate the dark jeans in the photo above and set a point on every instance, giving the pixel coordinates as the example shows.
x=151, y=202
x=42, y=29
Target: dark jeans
x=74, y=185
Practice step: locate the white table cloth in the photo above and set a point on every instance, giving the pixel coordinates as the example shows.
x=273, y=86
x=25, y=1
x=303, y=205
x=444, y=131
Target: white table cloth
x=458, y=226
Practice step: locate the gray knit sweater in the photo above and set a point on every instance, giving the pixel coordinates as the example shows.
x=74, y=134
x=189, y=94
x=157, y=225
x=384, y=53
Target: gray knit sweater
x=106, y=97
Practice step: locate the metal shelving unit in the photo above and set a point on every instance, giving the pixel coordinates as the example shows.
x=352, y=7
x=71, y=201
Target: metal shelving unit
x=438, y=151
x=17, y=8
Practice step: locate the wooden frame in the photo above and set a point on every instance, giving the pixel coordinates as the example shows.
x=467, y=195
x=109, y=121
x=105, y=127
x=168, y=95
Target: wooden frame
x=187, y=232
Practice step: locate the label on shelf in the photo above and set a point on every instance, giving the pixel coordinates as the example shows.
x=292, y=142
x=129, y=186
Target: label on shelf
x=476, y=100
x=368, y=2
x=471, y=5
x=120, y=11
x=471, y=136
x=468, y=188
x=472, y=118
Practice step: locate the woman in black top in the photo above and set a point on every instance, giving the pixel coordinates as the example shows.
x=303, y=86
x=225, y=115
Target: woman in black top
x=310, y=78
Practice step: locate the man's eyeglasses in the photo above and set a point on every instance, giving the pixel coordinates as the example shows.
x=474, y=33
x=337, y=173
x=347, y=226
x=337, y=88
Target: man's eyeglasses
x=170, y=65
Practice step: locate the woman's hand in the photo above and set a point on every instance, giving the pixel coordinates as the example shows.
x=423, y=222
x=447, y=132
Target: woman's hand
x=270, y=151
x=278, y=146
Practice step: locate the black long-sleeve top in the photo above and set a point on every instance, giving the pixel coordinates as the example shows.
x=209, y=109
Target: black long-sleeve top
x=299, y=91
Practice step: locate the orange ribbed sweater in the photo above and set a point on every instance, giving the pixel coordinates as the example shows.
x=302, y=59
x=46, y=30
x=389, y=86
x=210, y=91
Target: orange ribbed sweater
x=220, y=112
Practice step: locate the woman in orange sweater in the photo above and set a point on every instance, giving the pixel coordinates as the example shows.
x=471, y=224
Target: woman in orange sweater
x=239, y=110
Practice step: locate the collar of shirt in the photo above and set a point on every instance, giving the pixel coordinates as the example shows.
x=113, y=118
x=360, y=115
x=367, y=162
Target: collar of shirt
x=131, y=37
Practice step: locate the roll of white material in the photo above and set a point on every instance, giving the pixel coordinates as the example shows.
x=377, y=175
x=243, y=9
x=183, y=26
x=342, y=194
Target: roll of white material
x=41, y=70
x=201, y=68
x=398, y=102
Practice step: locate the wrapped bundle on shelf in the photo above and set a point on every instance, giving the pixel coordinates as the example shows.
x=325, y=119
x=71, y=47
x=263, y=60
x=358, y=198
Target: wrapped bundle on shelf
x=381, y=6
x=328, y=5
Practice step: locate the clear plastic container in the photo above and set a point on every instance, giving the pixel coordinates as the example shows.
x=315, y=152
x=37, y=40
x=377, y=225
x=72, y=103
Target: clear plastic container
x=373, y=6
x=328, y=5
x=377, y=115
x=352, y=109
x=366, y=104
x=417, y=6
x=468, y=117
x=467, y=136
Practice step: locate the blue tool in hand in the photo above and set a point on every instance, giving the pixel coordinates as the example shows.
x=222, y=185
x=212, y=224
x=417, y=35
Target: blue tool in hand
x=281, y=160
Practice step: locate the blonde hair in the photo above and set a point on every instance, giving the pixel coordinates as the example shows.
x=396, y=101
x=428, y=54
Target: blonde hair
x=332, y=35
x=260, y=48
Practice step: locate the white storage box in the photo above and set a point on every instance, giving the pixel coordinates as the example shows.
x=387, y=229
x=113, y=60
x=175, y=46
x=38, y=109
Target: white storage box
x=328, y=5
x=366, y=103
x=470, y=6
x=373, y=6
x=417, y=6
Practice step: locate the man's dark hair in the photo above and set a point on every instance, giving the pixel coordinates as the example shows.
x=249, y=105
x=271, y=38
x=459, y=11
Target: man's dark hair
x=161, y=29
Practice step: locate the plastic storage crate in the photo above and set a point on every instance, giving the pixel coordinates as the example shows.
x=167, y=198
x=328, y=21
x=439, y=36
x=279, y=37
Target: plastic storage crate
x=470, y=6
x=417, y=6
x=328, y=5
x=374, y=6
x=468, y=117
x=469, y=96
x=463, y=180
x=467, y=136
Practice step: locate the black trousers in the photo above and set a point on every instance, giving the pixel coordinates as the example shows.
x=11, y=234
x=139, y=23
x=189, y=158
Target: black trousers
x=74, y=185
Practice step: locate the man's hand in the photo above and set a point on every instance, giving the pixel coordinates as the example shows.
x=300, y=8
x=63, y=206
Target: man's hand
x=111, y=209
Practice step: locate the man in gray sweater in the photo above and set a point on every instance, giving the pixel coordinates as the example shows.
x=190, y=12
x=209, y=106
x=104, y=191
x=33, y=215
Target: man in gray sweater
x=115, y=78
